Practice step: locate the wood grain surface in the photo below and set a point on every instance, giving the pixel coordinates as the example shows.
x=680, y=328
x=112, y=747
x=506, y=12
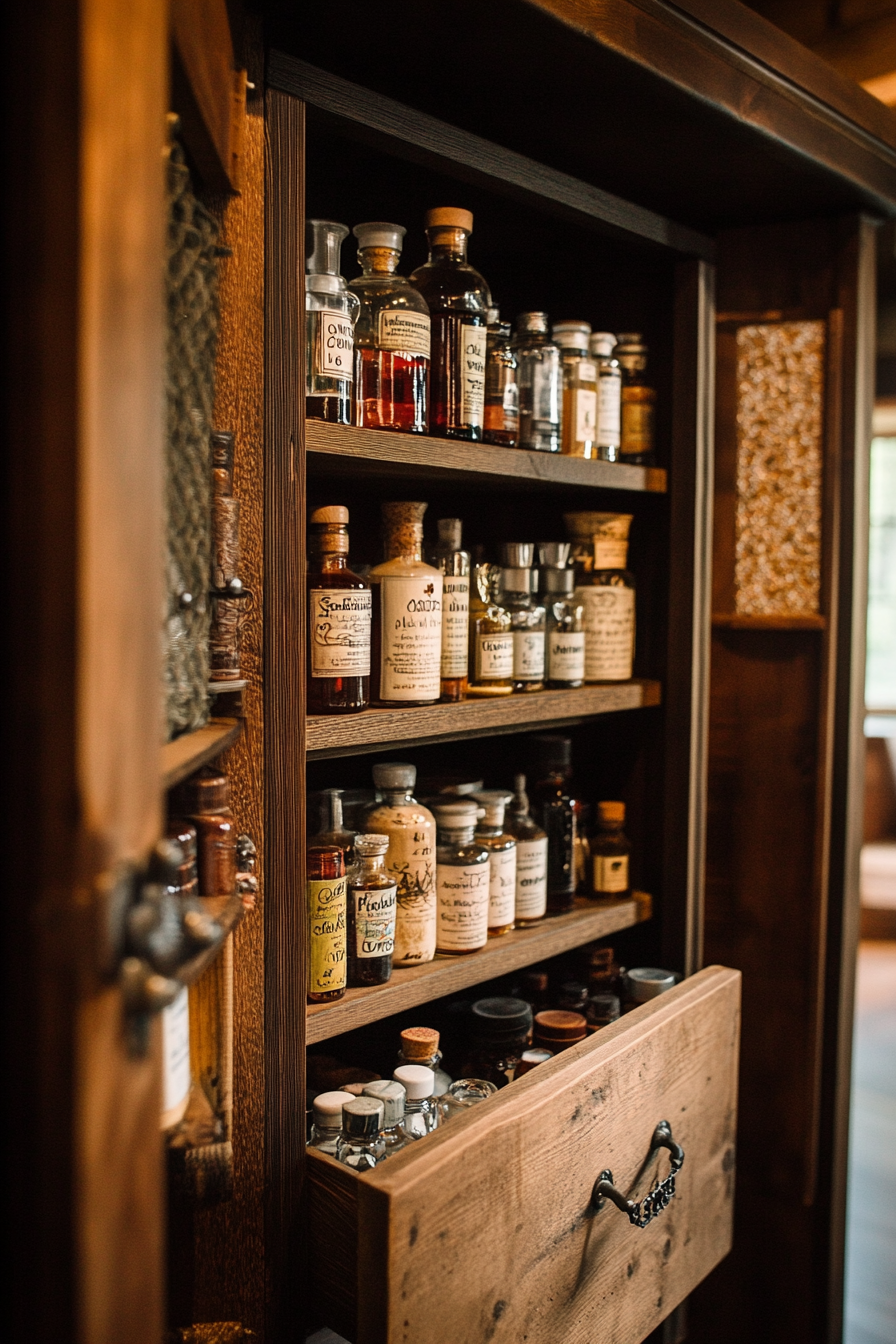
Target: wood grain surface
x=185, y=754
x=733, y=621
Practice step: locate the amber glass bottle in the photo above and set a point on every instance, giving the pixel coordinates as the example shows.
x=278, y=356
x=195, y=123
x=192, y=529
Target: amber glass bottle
x=610, y=851
x=338, y=621
x=371, y=913
x=327, y=941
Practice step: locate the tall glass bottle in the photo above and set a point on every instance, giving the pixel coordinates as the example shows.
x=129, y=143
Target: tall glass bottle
x=392, y=336
x=609, y=603
x=579, y=389
x=491, y=637
x=638, y=400
x=501, y=846
x=326, y=890
x=564, y=618
x=406, y=655
x=454, y=565
x=410, y=860
x=462, y=881
x=332, y=828
x=371, y=913
x=458, y=300
x=502, y=394
x=339, y=613
x=555, y=807
x=526, y=616
x=609, y=395
x=331, y=311
x=531, y=858
x=540, y=383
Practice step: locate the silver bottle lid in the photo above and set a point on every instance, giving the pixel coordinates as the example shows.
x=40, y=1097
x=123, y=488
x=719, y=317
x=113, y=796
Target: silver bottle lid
x=451, y=531
x=558, y=581
x=647, y=982
x=369, y=846
x=494, y=802
x=554, y=554
x=571, y=335
x=380, y=235
x=528, y=324
x=516, y=580
x=517, y=554
x=394, y=775
x=416, y=1079
x=327, y=1109
x=393, y=1097
x=362, y=1117
x=602, y=343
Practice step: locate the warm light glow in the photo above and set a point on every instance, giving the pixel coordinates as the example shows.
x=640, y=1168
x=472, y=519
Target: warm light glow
x=882, y=87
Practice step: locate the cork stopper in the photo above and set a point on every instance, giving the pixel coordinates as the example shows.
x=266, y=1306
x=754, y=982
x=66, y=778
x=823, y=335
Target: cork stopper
x=403, y=529
x=332, y=514
x=419, y=1042
x=613, y=812
x=447, y=217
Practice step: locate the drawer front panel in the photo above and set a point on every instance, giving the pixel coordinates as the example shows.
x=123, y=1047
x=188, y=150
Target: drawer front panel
x=486, y=1231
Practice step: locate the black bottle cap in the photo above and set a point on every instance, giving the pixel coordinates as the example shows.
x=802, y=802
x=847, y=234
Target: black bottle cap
x=501, y=1019
x=553, y=751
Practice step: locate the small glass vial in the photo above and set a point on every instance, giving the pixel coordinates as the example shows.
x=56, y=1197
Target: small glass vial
x=361, y=1145
x=420, y=1045
x=564, y=618
x=406, y=656
x=531, y=858
x=331, y=311
x=326, y=1128
x=538, y=375
x=638, y=400
x=394, y=1099
x=491, y=636
x=609, y=396
x=609, y=603
x=610, y=852
x=462, y=881
x=338, y=669
x=327, y=933
x=600, y=1010
x=454, y=565
x=501, y=846
x=421, y=1110
x=527, y=616
x=579, y=389
x=555, y=807
x=332, y=827
x=410, y=860
x=392, y=336
x=371, y=894
x=501, y=1029
x=502, y=394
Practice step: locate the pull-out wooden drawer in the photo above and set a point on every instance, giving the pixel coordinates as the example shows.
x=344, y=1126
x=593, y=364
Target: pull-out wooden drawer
x=486, y=1230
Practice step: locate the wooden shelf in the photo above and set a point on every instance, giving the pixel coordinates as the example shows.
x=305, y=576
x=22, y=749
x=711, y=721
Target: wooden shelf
x=228, y=910
x=419, y=457
x=448, y=975
x=732, y=621
x=187, y=753
x=330, y=735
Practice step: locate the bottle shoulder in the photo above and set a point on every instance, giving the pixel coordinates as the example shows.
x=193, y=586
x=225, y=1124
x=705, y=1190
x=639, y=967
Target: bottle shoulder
x=452, y=286
x=387, y=292
x=404, y=816
x=337, y=578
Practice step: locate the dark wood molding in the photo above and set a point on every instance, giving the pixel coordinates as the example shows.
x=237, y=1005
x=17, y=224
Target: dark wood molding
x=207, y=92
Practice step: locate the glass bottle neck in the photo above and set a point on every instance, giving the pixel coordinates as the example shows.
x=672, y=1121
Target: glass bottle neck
x=447, y=244
x=378, y=260
x=371, y=865
x=464, y=837
x=490, y=831
x=329, y=562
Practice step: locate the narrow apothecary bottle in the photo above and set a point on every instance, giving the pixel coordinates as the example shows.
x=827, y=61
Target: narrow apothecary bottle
x=327, y=926
x=609, y=602
x=462, y=880
x=609, y=395
x=406, y=656
x=531, y=858
x=326, y=1128
x=502, y=394
x=564, y=618
x=610, y=851
x=458, y=300
x=371, y=909
x=392, y=336
x=339, y=616
x=579, y=389
x=554, y=806
x=638, y=400
x=410, y=860
x=361, y=1145
x=539, y=378
x=454, y=565
x=527, y=616
x=491, y=636
x=394, y=1099
x=331, y=310
x=501, y=846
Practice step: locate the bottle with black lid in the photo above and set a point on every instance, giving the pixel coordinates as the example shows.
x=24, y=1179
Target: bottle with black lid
x=553, y=805
x=500, y=1028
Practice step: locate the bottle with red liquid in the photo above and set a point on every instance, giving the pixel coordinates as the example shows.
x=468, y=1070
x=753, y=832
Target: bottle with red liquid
x=391, y=336
x=338, y=619
x=459, y=301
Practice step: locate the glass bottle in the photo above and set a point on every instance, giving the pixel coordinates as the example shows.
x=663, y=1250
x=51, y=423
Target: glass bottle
x=609, y=396
x=331, y=311
x=531, y=858
x=564, y=618
x=361, y=1145
x=410, y=860
x=463, y=1094
x=327, y=943
x=458, y=300
x=638, y=400
x=392, y=336
x=579, y=389
x=538, y=375
x=420, y=1045
x=421, y=1111
x=527, y=616
x=609, y=603
x=501, y=847
x=553, y=805
x=610, y=852
x=326, y=1128
x=454, y=566
x=332, y=827
x=338, y=667
x=500, y=1030
x=502, y=394
x=406, y=656
x=204, y=801
x=462, y=874
x=371, y=913
x=491, y=637
x=394, y=1098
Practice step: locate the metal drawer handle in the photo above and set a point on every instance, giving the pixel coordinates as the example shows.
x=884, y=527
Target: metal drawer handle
x=644, y=1211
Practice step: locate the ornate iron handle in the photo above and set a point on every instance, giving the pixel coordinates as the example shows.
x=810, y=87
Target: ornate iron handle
x=641, y=1212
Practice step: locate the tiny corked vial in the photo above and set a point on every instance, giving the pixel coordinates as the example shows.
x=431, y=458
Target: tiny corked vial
x=579, y=389
x=361, y=1145
x=531, y=858
x=500, y=1029
x=609, y=395
x=420, y=1045
x=462, y=880
x=327, y=927
x=326, y=1126
x=331, y=311
x=502, y=394
x=339, y=617
x=540, y=383
x=610, y=852
x=453, y=562
x=394, y=1099
x=421, y=1110
x=501, y=846
x=372, y=901
x=410, y=860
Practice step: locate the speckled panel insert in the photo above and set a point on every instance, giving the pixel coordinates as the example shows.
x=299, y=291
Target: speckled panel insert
x=780, y=399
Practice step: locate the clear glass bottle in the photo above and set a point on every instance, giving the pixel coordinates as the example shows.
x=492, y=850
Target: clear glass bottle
x=554, y=806
x=462, y=880
x=454, y=565
x=420, y=1045
x=361, y=1145
x=332, y=828
x=458, y=300
x=331, y=311
x=527, y=616
x=406, y=653
x=326, y=1128
x=579, y=437
x=410, y=860
x=638, y=401
x=531, y=858
x=421, y=1110
x=392, y=336
x=502, y=393
x=371, y=913
x=338, y=667
x=463, y=1094
x=609, y=603
x=564, y=618
x=609, y=396
x=491, y=636
x=539, y=378
x=394, y=1098
x=327, y=941
x=501, y=846
x=610, y=853
x=500, y=1029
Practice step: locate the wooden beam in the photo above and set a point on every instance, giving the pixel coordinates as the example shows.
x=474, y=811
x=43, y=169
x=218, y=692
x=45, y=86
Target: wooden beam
x=208, y=94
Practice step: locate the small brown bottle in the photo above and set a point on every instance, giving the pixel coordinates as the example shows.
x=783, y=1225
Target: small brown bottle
x=326, y=891
x=205, y=801
x=371, y=938
x=638, y=400
x=338, y=620
x=610, y=850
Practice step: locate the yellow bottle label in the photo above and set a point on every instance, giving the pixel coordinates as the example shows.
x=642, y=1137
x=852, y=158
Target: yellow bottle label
x=327, y=930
